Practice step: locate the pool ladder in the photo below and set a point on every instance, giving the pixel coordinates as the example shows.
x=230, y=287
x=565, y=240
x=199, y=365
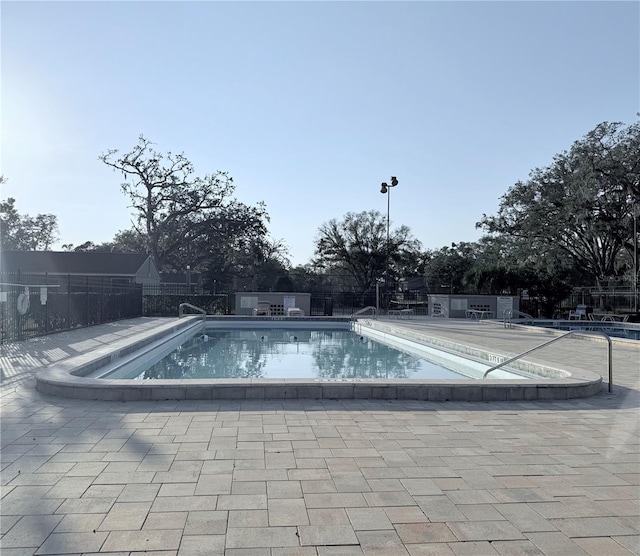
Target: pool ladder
x=610, y=353
x=199, y=309
x=362, y=311
x=507, y=317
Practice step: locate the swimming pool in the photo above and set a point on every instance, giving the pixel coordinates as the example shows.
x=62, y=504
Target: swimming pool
x=624, y=330
x=79, y=377
x=303, y=353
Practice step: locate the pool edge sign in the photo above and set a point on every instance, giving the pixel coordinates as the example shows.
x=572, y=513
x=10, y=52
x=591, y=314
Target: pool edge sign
x=503, y=304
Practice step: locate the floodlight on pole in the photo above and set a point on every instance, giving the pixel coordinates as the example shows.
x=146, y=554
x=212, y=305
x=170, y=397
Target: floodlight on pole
x=385, y=188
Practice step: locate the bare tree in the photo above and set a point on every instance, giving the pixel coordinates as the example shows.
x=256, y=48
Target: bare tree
x=182, y=216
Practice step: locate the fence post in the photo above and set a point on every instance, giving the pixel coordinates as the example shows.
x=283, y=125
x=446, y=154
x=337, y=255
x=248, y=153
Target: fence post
x=46, y=305
x=18, y=315
x=86, y=320
x=68, y=301
x=101, y=300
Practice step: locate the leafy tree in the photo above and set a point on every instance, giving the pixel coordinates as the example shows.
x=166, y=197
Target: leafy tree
x=307, y=279
x=507, y=265
x=22, y=232
x=125, y=241
x=284, y=283
x=257, y=262
x=581, y=204
x=445, y=269
x=183, y=218
x=358, y=245
x=617, y=162
x=270, y=262
x=86, y=246
x=496, y=279
x=548, y=289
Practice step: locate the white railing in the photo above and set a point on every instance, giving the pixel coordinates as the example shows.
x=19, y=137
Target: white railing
x=363, y=311
x=570, y=333
x=183, y=305
x=508, y=314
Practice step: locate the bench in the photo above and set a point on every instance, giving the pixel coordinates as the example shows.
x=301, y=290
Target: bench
x=478, y=314
x=401, y=313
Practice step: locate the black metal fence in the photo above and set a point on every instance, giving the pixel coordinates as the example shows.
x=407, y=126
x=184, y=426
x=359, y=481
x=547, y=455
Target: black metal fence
x=37, y=304
x=622, y=302
x=166, y=305
x=321, y=305
x=174, y=289
x=34, y=305
x=347, y=303
x=158, y=304
x=615, y=301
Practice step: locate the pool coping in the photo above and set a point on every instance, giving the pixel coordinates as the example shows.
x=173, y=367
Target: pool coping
x=68, y=378
x=537, y=326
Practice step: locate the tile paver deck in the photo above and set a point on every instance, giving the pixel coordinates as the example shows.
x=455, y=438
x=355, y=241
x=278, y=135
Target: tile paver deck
x=321, y=477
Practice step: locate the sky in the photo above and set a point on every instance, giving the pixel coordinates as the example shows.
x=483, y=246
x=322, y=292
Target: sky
x=308, y=105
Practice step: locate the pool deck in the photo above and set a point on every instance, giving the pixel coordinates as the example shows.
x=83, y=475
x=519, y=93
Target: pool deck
x=322, y=477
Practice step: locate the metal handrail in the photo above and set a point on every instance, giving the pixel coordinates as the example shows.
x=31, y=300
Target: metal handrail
x=362, y=311
x=610, y=353
x=507, y=316
x=183, y=305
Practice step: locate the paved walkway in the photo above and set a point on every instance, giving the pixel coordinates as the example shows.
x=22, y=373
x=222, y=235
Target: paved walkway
x=321, y=477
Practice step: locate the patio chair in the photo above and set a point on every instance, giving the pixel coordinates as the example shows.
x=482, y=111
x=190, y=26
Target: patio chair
x=581, y=311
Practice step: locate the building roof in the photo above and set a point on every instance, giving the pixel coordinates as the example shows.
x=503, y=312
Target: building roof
x=72, y=262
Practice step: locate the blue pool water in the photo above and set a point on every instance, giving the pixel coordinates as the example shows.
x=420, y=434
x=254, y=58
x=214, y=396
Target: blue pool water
x=287, y=353
x=629, y=331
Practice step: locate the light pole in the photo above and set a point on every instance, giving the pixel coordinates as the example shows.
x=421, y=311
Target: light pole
x=635, y=257
x=386, y=188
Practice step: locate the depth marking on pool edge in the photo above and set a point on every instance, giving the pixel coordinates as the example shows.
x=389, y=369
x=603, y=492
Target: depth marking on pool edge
x=345, y=380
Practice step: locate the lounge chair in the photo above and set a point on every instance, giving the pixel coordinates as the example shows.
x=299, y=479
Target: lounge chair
x=401, y=313
x=581, y=311
x=263, y=309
